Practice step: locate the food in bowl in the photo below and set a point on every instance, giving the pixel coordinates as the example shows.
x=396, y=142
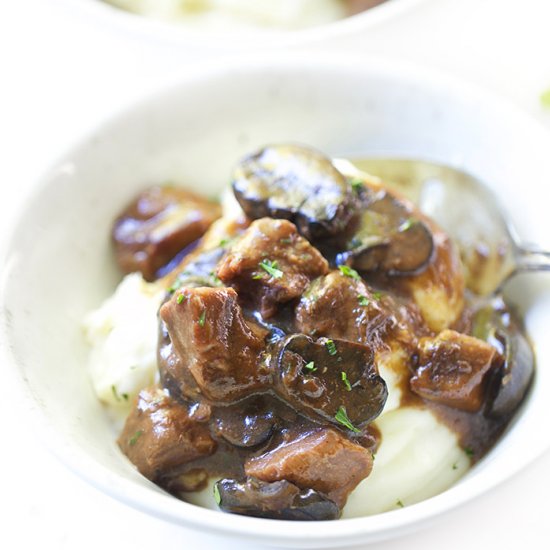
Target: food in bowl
x=318, y=355
x=223, y=14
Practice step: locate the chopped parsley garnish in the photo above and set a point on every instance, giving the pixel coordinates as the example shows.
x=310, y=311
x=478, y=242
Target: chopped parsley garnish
x=469, y=451
x=357, y=185
x=331, y=347
x=400, y=504
x=124, y=396
x=271, y=268
x=115, y=393
x=217, y=496
x=342, y=417
x=363, y=300
x=215, y=279
x=180, y=298
x=133, y=440
x=406, y=225
x=286, y=240
x=202, y=318
x=545, y=98
x=349, y=272
x=455, y=466
x=310, y=366
x=377, y=295
x=346, y=381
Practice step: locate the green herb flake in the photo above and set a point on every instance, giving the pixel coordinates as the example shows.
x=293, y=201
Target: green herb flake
x=181, y=298
x=363, y=300
x=125, y=396
x=469, y=451
x=349, y=272
x=202, y=318
x=217, y=496
x=346, y=381
x=455, y=466
x=286, y=240
x=406, y=225
x=545, y=98
x=175, y=286
x=357, y=185
x=133, y=440
x=400, y=504
x=115, y=393
x=310, y=366
x=331, y=347
x=271, y=268
x=377, y=295
x=342, y=417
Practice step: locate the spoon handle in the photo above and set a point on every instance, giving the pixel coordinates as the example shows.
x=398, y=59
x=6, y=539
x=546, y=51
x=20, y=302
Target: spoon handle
x=531, y=259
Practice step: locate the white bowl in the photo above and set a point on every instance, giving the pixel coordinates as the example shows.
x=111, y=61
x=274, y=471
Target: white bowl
x=182, y=35
x=59, y=264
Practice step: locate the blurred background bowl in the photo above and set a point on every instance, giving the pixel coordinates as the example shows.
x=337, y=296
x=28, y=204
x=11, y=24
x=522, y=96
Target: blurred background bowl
x=58, y=262
x=239, y=39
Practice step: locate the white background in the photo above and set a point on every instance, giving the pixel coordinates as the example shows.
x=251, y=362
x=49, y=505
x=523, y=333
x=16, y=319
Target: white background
x=62, y=72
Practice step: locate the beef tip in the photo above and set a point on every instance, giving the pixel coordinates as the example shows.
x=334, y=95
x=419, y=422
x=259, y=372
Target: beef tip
x=160, y=435
x=174, y=374
x=454, y=370
x=246, y=424
x=271, y=264
x=214, y=342
x=494, y=324
x=323, y=460
x=157, y=225
x=278, y=500
x=339, y=306
x=334, y=379
x=296, y=183
x=389, y=239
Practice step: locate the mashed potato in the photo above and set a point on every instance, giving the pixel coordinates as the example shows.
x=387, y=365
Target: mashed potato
x=235, y=14
x=122, y=334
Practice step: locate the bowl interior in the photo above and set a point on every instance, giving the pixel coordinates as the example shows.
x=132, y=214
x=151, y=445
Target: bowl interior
x=59, y=263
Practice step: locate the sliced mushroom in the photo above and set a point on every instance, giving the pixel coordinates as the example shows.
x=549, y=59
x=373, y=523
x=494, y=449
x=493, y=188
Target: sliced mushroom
x=389, y=239
x=296, y=183
x=247, y=424
x=333, y=379
x=278, y=500
x=494, y=324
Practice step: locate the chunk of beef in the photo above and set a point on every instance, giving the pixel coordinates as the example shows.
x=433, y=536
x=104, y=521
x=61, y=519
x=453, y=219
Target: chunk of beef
x=323, y=460
x=157, y=225
x=271, y=264
x=454, y=370
x=324, y=377
x=160, y=434
x=215, y=343
x=338, y=306
x=278, y=500
x=296, y=183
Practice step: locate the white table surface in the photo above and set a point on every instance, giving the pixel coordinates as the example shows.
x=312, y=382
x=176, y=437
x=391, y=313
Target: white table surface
x=61, y=73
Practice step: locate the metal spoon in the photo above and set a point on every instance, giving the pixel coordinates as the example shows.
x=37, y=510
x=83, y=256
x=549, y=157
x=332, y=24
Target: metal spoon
x=469, y=212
